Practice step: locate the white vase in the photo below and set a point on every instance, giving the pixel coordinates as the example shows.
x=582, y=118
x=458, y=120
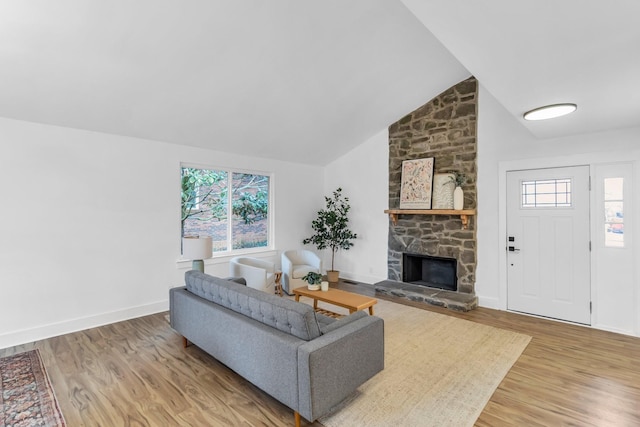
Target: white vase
x=458, y=199
x=324, y=286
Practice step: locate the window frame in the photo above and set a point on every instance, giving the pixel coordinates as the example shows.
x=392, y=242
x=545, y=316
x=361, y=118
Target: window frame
x=567, y=181
x=229, y=252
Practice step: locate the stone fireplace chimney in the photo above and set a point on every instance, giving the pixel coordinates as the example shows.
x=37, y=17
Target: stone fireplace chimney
x=445, y=129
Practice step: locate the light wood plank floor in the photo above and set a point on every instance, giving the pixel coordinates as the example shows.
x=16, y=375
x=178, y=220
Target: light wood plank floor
x=136, y=373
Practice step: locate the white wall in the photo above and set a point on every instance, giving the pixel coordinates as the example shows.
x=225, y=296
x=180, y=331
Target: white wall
x=497, y=132
x=364, y=178
x=89, y=224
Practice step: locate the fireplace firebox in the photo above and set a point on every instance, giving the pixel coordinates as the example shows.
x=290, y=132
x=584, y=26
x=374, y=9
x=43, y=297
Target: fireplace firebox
x=430, y=271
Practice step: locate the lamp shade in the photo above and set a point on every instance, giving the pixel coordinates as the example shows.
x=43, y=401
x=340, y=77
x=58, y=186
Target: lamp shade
x=196, y=248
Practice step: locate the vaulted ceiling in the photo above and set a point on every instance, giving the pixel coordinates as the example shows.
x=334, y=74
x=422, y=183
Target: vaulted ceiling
x=535, y=53
x=306, y=81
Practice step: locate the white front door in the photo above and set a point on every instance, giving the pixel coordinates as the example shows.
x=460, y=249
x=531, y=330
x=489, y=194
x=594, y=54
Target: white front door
x=548, y=243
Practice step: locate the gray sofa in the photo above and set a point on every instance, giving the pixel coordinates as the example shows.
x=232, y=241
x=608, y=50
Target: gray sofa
x=307, y=361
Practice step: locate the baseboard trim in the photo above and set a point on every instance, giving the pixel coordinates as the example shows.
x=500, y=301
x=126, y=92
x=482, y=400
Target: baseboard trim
x=360, y=278
x=489, y=302
x=68, y=326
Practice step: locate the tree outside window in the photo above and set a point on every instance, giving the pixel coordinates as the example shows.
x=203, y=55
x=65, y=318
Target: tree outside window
x=209, y=199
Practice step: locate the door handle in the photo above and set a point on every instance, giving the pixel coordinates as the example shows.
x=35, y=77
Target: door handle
x=513, y=249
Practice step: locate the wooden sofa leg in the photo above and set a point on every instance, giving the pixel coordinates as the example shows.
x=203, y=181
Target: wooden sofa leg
x=185, y=342
x=296, y=417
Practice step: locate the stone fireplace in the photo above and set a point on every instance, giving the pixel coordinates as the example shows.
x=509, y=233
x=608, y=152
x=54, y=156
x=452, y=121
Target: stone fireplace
x=445, y=129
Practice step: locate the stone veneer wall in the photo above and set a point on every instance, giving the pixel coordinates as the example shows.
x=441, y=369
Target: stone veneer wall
x=444, y=128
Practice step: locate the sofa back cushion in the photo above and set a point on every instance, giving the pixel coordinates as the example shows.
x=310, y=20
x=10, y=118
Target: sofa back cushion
x=283, y=314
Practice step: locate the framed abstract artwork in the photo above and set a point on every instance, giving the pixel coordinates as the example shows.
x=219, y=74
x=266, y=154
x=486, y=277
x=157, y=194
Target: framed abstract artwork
x=417, y=184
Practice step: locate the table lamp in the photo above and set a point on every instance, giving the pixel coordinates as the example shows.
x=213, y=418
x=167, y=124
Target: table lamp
x=197, y=249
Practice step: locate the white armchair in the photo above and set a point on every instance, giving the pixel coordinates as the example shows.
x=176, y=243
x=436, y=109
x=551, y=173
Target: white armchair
x=295, y=265
x=259, y=274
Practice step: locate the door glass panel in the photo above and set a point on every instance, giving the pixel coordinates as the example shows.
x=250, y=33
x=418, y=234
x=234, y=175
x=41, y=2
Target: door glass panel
x=614, y=212
x=546, y=193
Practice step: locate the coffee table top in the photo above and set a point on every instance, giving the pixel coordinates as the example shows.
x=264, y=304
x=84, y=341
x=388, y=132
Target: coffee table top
x=338, y=297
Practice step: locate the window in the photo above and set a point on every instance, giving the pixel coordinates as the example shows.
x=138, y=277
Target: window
x=614, y=212
x=211, y=197
x=547, y=193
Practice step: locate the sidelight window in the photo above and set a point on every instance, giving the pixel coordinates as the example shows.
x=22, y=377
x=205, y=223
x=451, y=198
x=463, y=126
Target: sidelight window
x=614, y=212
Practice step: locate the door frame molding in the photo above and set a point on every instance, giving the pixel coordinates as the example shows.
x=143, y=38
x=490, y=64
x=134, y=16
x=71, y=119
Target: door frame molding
x=583, y=159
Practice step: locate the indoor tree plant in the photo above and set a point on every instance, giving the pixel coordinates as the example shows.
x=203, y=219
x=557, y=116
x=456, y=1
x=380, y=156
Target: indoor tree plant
x=331, y=229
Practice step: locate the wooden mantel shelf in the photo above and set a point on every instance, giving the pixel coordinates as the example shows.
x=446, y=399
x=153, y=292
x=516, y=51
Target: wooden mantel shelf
x=464, y=214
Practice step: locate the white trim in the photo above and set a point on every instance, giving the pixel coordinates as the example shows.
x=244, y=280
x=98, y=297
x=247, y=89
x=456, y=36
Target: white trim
x=489, y=302
x=74, y=325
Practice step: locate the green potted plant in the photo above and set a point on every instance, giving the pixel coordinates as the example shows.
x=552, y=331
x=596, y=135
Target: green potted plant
x=458, y=178
x=313, y=280
x=331, y=229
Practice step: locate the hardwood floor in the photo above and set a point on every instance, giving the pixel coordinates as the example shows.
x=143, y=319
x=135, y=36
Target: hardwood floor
x=136, y=373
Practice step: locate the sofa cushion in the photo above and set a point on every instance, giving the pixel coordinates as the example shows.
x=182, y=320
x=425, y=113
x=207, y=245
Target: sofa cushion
x=283, y=314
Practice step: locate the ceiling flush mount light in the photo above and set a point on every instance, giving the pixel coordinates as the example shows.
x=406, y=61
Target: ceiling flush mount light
x=550, y=111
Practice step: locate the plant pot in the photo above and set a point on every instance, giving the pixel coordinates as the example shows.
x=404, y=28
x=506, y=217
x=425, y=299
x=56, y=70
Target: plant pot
x=458, y=199
x=324, y=286
x=313, y=287
x=333, y=276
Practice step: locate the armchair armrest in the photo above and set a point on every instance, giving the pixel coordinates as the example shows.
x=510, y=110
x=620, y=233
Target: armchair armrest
x=334, y=365
x=287, y=265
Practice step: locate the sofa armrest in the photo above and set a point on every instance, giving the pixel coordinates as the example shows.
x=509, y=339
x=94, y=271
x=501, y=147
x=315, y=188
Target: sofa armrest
x=334, y=324
x=334, y=365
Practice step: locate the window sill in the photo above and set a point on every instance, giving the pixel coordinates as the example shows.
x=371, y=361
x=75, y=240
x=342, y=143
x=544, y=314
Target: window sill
x=224, y=258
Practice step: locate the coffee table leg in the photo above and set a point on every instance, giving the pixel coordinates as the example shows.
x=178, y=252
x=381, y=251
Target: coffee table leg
x=371, y=310
x=315, y=303
x=297, y=297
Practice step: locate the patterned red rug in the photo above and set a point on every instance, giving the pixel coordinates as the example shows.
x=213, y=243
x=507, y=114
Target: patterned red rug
x=26, y=395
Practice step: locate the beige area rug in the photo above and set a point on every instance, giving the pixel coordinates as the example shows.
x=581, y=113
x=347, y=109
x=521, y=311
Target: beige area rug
x=439, y=371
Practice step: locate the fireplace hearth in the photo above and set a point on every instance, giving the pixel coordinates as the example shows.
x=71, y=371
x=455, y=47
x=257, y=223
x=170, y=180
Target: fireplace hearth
x=430, y=271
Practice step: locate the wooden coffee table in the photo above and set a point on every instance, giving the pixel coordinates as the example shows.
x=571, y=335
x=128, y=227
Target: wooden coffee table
x=348, y=300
